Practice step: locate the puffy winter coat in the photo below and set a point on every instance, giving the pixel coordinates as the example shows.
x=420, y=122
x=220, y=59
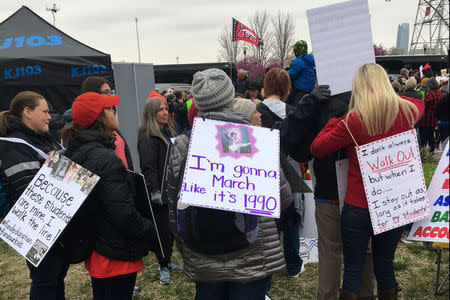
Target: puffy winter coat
x=257, y=261
x=121, y=232
x=18, y=162
x=302, y=74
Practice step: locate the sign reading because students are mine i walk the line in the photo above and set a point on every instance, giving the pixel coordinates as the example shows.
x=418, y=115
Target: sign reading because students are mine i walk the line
x=435, y=228
x=392, y=174
x=233, y=167
x=46, y=206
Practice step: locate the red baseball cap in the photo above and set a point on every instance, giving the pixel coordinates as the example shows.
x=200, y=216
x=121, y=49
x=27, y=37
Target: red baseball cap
x=87, y=107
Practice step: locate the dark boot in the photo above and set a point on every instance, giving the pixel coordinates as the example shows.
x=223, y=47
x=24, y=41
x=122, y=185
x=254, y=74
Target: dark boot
x=344, y=295
x=388, y=295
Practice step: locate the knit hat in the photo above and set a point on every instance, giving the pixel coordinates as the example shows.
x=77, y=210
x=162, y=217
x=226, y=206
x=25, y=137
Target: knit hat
x=87, y=107
x=245, y=107
x=300, y=48
x=212, y=89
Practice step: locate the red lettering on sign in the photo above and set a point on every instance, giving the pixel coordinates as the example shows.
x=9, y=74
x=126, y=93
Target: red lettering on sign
x=446, y=170
x=446, y=184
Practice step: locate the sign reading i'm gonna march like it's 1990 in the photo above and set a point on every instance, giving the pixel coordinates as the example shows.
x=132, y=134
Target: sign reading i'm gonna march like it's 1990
x=233, y=167
x=435, y=228
x=46, y=207
x=393, y=181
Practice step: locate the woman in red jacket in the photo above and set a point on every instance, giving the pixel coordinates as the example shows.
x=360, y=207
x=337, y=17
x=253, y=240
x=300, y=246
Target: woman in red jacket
x=375, y=112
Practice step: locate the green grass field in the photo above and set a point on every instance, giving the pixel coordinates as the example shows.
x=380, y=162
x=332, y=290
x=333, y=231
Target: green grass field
x=415, y=269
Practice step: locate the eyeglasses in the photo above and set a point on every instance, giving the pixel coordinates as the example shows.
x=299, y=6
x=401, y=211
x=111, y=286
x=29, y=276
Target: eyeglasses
x=108, y=93
x=113, y=108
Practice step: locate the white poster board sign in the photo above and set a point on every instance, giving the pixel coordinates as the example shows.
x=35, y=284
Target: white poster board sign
x=392, y=174
x=435, y=227
x=341, y=40
x=46, y=207
x=233, y=167
x=309, y=250
x=308, y=228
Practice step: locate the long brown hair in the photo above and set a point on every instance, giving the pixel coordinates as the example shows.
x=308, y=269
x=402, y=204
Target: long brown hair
x=71, y=131
x=18, y=104
x=277, y=82
x=148, y=125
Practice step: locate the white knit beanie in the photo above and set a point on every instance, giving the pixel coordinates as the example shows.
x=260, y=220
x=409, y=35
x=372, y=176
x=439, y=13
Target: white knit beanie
x=212, y=89
x=244, y=106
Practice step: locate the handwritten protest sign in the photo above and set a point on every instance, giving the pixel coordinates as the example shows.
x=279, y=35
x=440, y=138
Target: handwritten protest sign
x=393, y=181
x=233, y=167
x=435, y=227
x=341, y=39
x=46, y=207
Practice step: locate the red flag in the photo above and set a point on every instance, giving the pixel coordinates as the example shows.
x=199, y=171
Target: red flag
x=427, y=11
x=243, y=33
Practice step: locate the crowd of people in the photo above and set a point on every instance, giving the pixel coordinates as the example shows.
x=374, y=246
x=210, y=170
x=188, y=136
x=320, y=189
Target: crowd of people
x=111, y=235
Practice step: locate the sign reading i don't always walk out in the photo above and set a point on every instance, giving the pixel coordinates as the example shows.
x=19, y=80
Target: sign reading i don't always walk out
x=392, y=174
x=46, y=206
x=233, y=167
x=435, y=227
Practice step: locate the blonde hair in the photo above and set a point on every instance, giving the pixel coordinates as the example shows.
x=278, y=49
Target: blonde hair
x=411, y=83
x=149, y=125
x=375, y=102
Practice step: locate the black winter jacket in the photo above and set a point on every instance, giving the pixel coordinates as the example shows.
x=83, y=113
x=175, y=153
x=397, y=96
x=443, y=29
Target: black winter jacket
x=300, y=128
x=18, y=162
x=120, y=231
x=152, y=152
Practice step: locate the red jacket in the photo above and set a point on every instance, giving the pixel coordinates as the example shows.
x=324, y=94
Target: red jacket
x=334, y=136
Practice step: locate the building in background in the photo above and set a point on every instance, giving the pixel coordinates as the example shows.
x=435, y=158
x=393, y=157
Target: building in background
x=403, y=37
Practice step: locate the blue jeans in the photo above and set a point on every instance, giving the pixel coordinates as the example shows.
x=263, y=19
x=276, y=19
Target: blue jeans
x=356, y=230
x=47, y=280
x=291, y=249
x=254, y=290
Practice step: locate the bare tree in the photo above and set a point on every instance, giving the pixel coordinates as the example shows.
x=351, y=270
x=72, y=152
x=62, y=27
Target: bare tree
x=229, y=50
x=283, y=36
x=396, y=51
x=259, y=23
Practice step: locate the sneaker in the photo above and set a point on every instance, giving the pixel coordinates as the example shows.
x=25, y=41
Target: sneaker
x=164, y=276
x=302, y=269
x=173, y=267
x=136, y=290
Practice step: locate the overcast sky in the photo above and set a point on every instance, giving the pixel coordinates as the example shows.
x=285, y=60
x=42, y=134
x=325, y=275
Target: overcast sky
x=188, y=28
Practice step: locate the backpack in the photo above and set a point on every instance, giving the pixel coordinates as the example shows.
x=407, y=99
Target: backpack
x=211, y=231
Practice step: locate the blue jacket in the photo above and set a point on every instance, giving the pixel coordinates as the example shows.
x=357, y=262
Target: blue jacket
x=302, y=74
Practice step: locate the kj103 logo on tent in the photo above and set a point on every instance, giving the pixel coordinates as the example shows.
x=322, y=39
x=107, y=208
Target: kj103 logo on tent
x=32, y=41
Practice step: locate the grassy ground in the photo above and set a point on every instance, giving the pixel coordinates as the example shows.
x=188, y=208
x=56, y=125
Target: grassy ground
x=414, y=264
x=415, y=269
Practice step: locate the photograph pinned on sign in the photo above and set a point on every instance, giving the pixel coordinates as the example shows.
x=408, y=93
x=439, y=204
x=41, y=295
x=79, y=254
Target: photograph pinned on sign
x=235, y=141
x=59, y=167
x=36, y=252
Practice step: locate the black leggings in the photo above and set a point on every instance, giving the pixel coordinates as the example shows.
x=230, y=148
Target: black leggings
x=114, y=288
x=162, y=222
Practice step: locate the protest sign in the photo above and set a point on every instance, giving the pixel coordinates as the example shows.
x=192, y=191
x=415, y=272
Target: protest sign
x=308, y=227
x=46, y=207
x=309, y=250
x=435, y=227
x=341, y=40
x=393, y=180
x=233, y=167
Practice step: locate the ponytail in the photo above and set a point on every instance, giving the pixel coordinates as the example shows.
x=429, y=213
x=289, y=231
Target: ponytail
x=18, y=104
x=5, y=120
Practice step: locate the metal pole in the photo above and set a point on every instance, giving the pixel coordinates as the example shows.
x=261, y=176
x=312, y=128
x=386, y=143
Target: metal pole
x=137, y=37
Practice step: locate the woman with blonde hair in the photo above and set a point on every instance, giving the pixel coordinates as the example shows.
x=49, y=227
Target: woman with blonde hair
x=154, y=140
x=375, y=112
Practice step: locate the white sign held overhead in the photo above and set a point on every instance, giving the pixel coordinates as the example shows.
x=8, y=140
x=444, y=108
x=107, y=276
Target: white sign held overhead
x=46, y=206
x=392, y=174
x=233, y=167
x=341, y=41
